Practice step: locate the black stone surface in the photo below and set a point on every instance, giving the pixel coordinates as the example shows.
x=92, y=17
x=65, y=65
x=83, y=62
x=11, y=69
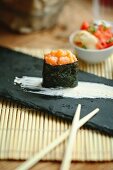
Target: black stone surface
x=15, y=64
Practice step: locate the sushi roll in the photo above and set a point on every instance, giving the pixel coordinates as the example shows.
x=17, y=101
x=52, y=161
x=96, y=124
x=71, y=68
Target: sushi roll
x=60, y=69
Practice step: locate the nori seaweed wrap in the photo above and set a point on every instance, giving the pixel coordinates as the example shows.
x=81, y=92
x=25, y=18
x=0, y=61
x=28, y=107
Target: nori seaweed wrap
x=60, y=74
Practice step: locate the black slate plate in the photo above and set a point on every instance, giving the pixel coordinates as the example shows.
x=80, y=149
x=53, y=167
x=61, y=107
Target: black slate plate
x=15, y=64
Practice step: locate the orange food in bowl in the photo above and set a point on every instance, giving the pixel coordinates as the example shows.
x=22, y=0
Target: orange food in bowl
x=102, y=32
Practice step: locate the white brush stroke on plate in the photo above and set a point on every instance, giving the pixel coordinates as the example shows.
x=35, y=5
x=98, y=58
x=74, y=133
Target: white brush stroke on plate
x=83, y=90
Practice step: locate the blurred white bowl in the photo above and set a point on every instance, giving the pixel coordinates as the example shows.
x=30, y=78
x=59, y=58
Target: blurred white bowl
x=90, y=55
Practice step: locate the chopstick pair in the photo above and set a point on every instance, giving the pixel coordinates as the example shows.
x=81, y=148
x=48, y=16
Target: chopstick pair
x=72, y=133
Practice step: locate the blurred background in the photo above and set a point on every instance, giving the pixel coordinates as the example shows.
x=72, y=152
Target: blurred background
x=47, y=23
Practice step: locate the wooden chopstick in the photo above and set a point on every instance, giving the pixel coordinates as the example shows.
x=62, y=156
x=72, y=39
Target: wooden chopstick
x=73, y=132
x=87, y=117
x=38, y=156
x=76, y=124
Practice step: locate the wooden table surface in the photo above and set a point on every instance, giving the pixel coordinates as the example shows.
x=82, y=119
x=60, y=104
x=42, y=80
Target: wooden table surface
x=10, y=165
x=74, y=12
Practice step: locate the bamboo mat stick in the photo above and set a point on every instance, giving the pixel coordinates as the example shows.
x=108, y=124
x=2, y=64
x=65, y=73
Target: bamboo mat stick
x=33, y=160
x=76, y=124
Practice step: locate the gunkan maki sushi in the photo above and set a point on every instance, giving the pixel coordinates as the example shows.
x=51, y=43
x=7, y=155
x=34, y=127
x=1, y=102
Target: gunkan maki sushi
x=60, y=69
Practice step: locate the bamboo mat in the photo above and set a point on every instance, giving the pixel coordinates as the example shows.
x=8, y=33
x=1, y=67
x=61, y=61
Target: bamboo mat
x=24, y=131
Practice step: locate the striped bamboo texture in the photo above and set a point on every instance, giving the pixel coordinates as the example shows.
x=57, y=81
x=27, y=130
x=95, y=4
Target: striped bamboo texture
x=24, y=131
